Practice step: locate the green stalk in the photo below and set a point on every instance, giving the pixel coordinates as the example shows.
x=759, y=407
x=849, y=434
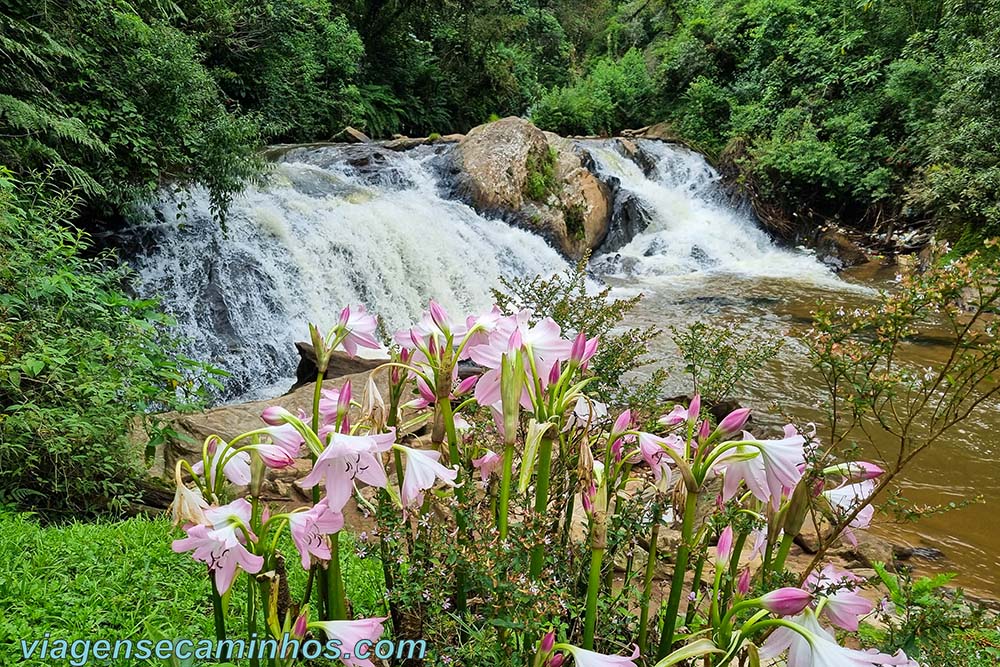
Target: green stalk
x=541, y=501
x=593, y=588
x=252, y=617
x=647, y=581
x=677, y=583
x=692, y=607
x=335, y=583
x=786, y=546
x=220, y=619
x=505, y=481
x=448, y=417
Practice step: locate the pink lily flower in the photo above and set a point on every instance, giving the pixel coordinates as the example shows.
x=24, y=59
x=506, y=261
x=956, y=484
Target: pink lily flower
x=845, y=498
x=346, y=458
x=585, y=658
x=287, y=438
x=759, y=542
x=487, y=464
x=815, y=646
x=309, y=530
x=844, y=606
x=236, y=467
x=220, y=543
x=360, y=328
x=767, y=474
x=651, y=448
x=350, y=634
x=786, y=601
x=680, y=414
x=422, y=469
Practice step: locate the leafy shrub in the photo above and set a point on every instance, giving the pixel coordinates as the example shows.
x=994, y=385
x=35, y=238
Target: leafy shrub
x=80, y=362
x=719, y=358
x=541, y=178
x=614, y=95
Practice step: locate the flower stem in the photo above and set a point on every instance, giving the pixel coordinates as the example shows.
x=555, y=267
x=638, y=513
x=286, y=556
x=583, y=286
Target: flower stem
x=593, y=588
x=677, y=583
x=541, y=501
x=647, y=581
x=505, y=481
x=220, y=619
x=335, y=583
x=786, y=546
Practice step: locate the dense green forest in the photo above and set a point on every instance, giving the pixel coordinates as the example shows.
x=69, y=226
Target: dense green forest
x=867, y=111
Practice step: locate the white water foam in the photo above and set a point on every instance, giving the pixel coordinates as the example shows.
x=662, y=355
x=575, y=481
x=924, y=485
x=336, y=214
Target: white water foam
x=694, y=228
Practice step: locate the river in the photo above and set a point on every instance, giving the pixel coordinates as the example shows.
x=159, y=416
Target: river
x=337, y=225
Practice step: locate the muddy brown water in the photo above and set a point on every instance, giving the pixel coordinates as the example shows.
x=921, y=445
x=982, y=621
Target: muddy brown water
x=961, y=466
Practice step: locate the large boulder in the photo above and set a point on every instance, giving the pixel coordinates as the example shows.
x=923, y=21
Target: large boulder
x=494, y=160
x=512, y=169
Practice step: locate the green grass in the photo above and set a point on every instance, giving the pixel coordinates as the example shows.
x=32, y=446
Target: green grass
x=120, y=580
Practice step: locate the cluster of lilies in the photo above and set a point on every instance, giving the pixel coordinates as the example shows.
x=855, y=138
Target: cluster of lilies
x=531, y=380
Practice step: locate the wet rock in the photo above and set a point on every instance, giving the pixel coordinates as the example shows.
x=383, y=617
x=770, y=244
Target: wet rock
x=353, y=135
x=869, y=550
x=630, y=216
x=837, y=250
x=493, y=162
x=927, y=553
x=492, y=167
x=340, y=364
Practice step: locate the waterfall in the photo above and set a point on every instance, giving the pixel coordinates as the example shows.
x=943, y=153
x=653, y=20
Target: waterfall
x=332, y=225
x=692, y=228
x=345, y=224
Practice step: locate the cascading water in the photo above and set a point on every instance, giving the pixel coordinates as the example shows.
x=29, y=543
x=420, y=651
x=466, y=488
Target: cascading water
x=693, y=226
x=333, y=225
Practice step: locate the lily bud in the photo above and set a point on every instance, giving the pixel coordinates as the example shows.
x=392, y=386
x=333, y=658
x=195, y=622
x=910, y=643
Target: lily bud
x=733, y=423
x=548, y=641
x=704, y=431
x=694, y=409
x=466, y=385
x=554, y=373
x=786, y=601
x=724, y=549
x=344, y=406
x=557, y=660
x=275, y=415
x=622, y=424
x=743, y=583
x=301, y=624
x=439, y=316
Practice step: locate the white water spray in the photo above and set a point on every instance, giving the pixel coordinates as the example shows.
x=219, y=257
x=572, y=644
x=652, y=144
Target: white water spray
x=694, y=229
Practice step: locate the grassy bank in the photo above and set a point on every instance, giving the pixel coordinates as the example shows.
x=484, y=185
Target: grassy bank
x=120, y=580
